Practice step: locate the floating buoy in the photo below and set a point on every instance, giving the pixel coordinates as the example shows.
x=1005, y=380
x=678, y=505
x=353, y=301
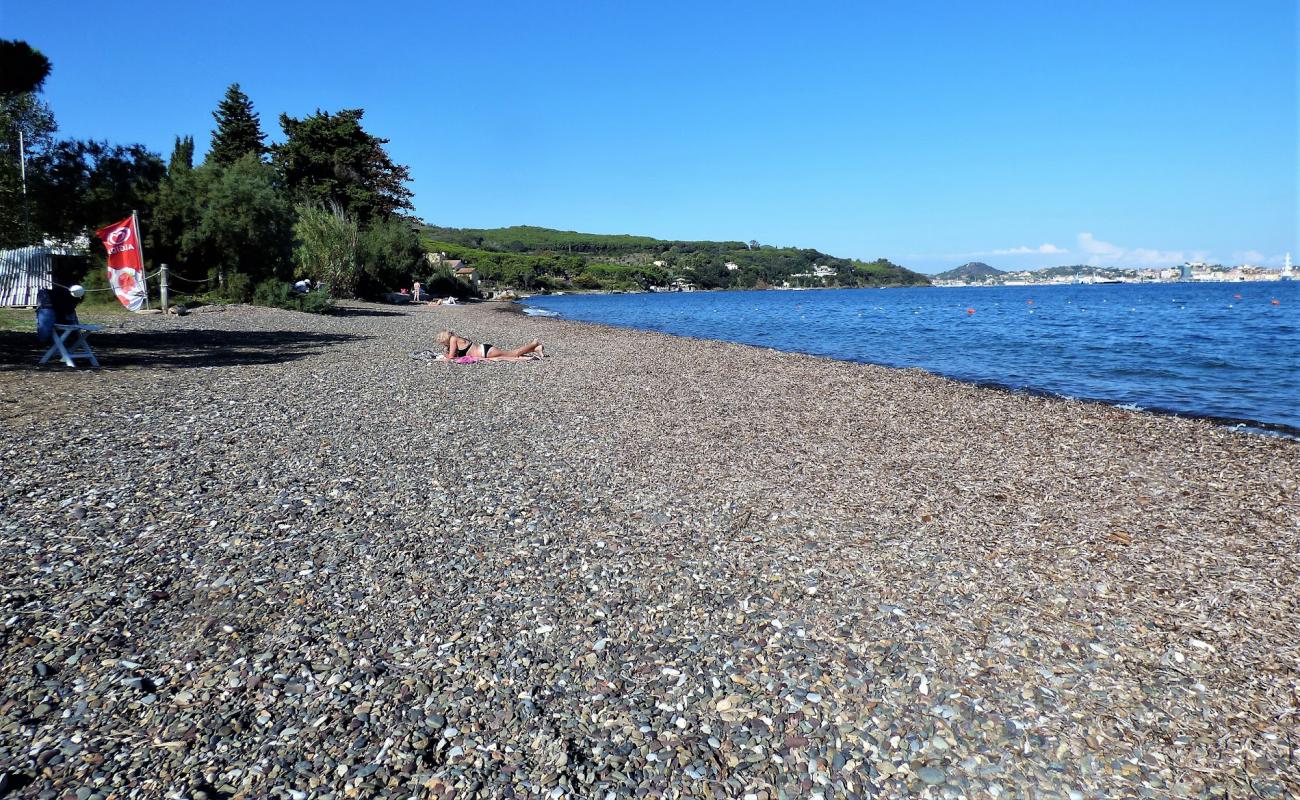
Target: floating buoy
x=972, y=311
x=1029, y=302
x=1277, y=302
x=1236, y=297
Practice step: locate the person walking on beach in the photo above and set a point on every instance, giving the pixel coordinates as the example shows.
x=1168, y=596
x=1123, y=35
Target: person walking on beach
x=459, y=347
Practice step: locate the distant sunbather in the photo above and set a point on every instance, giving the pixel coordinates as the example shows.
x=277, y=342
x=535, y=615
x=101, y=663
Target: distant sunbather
x=459, y=347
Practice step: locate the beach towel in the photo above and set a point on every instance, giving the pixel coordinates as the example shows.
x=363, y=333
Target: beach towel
x=429, y=355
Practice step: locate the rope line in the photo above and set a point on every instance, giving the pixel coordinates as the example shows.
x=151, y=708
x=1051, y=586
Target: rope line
x=61, y=286
x=173, y=276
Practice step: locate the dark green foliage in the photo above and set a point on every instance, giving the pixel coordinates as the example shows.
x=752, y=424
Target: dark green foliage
x=26, y=113
x=973, y=269
x=620, y=276
x=182, y=159
x=77, y=186
x=239, y=129
x=278, y=294
x=273, y=293
x=244, y=226
x=316, y=302
x=538, y=258
x=326, y=249
x=236, y=288
x=176, y=211
x=529, y=239
x=23, y=68
x=391, y=256
x=330, y=158
x=442, y=283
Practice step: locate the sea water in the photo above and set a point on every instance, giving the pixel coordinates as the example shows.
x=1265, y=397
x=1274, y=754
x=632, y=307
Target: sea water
x=1225, y=351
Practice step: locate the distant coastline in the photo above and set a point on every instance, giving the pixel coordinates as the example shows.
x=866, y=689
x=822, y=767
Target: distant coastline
x=980, y=274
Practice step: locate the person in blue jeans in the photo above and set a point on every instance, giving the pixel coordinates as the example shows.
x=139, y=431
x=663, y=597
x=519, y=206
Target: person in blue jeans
x=56, y=305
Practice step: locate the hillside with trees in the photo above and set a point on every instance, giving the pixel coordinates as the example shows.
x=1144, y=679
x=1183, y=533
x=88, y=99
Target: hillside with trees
x=541, y=259
x=973, y=270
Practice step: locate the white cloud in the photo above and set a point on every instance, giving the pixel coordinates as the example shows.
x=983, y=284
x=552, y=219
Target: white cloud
x=1257, y=258
x=1101, y=253
x=1042, y=249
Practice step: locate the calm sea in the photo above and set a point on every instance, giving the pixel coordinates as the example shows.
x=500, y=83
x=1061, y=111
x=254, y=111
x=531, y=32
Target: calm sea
x=1219, y=350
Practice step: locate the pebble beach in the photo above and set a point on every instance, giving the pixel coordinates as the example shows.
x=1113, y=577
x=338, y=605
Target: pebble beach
x=262, y=554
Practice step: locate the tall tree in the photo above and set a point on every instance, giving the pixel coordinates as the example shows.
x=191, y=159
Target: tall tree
x=176, y=211
x=244, y=225
x=182, y=159
x=23, y=68
x=239, y=129
x=22, y=72
x=330, y=158
x=79, y=185
x=390, y=255
x=28, y=114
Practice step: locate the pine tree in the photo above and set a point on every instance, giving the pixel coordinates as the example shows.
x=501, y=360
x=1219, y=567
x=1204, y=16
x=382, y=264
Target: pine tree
x=182, y=156
x=177, y=211
x=239, y=129
x=331, y=158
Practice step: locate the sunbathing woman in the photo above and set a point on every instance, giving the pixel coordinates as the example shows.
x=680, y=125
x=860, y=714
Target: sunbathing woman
x=459, y=346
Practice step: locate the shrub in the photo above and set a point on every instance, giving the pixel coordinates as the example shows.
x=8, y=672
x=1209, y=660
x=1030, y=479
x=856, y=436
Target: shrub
x=278, y=294
x=273, y=293
x=238, y=288
x=316, y=302
x=442, y=283
x=390, y=255
x=327, y=247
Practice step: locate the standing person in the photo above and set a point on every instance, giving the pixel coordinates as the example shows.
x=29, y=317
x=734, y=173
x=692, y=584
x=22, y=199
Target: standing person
x=459, y=346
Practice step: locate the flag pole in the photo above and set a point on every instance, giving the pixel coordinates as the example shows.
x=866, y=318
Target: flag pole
x=139, y=246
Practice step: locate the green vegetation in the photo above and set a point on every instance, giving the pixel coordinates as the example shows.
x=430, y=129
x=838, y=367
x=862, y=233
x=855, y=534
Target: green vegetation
x=330, y=158
x=225, y=226
x=327, y=246
x=532, y=258
x=529, y=239
x=971, y=270
x=24, y=319
x=17, y=319
x=327, y=203
x=23, y=68
x=239, y=129
x=278, y=294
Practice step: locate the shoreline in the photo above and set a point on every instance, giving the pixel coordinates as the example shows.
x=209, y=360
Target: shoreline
x=264, y=552
x=1235, y=424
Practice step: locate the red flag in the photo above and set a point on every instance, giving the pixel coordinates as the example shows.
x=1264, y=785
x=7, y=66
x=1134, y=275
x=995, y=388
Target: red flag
x=125, y=262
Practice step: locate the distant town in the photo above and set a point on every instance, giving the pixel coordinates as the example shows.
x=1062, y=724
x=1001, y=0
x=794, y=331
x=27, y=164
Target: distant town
x=980, y=274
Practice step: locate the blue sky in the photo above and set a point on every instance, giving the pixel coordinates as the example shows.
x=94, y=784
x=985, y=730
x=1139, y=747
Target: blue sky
x=1023, y=134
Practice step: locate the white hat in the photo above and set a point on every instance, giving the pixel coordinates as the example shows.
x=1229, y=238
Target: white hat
x=77, y=290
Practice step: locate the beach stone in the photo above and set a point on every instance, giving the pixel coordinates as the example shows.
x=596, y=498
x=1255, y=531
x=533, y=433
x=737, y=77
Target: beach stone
x=932, y=775
x=331, y=570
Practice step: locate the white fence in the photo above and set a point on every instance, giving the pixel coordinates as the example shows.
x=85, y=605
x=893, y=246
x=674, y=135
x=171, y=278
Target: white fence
x=27, y=270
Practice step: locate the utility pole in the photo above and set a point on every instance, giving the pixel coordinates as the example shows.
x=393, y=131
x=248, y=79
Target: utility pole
x=162, y=280
x=22, y=170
